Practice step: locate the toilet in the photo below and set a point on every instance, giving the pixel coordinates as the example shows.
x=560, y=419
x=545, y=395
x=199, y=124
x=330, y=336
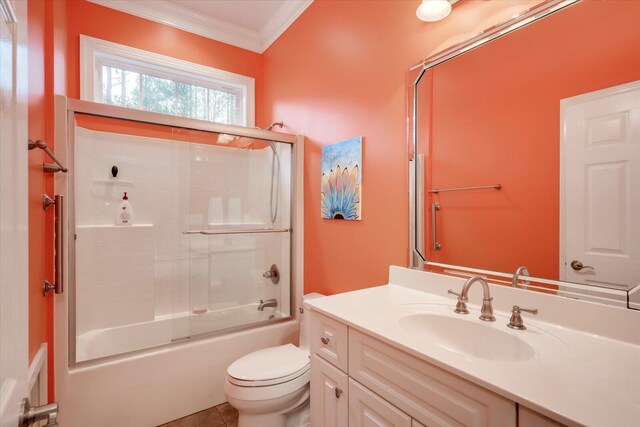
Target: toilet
x=270, y=387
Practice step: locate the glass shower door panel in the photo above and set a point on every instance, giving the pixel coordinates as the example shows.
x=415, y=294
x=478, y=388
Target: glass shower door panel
x=123, y=272
x=228, y=287
x=237, y=218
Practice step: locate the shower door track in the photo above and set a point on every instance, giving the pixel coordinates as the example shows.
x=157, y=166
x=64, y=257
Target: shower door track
x=239, y=231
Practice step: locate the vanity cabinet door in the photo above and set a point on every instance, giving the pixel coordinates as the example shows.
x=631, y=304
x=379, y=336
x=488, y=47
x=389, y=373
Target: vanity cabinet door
x=367, y=409
x=329, y=395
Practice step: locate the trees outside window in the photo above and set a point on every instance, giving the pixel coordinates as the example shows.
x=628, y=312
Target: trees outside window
x=133, y=78
x=131, y=89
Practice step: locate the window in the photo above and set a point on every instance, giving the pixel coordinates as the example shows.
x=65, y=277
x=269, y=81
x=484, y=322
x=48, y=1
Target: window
x=128, y=77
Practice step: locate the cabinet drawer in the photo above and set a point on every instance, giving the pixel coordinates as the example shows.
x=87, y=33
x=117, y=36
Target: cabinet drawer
x=429, y=394
x=367, y=409
x=329, y=340
x=329, y=395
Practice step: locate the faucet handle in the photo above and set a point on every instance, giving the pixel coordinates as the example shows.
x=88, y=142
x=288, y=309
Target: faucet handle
x=527, y=310
x=516, y=319
x=459, y=295
x=461, y=306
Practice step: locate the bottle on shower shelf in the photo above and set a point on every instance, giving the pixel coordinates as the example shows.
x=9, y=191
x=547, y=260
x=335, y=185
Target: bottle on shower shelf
x=124, y=216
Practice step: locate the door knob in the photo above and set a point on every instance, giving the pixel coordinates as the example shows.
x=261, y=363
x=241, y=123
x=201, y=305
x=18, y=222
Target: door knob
x=577, y=265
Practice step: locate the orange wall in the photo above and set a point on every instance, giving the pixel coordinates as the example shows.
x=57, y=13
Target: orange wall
x=47, y=44
x=114, y=26
x=501, y=124
x=38, y=305
x=338, y=72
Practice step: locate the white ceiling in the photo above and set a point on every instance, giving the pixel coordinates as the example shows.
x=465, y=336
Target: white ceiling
x=249, y=24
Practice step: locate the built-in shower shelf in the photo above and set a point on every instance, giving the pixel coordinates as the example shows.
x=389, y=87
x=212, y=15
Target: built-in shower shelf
x=112, y=181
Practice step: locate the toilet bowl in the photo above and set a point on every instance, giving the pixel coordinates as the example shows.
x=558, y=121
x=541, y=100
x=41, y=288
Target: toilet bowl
x=270, y=387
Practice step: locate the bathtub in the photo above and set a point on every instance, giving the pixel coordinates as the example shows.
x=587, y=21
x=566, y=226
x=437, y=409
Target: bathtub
x=155, y=386
x=163, y=330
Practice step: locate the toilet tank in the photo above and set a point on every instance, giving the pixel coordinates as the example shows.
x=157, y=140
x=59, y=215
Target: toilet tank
x=305, y=320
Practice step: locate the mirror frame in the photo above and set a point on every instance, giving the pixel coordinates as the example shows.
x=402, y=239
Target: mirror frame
x=416, y=170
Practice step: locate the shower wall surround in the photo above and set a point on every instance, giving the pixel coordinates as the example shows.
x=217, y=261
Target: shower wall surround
x=149, y=273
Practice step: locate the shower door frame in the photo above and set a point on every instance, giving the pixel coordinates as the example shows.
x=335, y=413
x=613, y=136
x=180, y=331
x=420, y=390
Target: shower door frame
x=65, y=110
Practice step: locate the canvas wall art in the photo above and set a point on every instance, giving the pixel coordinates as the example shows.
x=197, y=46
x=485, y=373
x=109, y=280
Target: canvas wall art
x=342, y=180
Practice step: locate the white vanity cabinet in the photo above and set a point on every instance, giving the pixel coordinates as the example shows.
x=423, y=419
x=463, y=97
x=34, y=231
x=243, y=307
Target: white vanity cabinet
x=430, y=394
x=358, y=380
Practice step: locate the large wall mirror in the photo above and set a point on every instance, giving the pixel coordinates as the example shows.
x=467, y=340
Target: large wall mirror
x=526, y=147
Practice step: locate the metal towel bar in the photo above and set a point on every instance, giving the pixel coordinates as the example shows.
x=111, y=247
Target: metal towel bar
x=238, y=231
x=483, y=187
x=48, y=167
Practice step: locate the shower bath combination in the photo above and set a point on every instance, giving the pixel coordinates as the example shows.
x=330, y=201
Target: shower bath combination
x=205, y=255
x=177, y=272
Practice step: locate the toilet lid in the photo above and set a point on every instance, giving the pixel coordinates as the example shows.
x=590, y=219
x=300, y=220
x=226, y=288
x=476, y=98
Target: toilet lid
x=269, y=366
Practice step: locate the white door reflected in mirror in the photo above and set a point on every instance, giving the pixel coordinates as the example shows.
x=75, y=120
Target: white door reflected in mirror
x=600, y=162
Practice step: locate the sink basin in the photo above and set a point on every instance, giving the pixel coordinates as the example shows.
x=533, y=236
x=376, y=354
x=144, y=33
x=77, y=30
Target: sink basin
x=467, y=335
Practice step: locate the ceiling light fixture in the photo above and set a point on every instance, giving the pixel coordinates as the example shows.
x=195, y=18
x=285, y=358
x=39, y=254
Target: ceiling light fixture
x=433, y=10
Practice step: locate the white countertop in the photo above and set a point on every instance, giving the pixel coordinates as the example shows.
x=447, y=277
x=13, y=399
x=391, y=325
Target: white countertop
x=588, y=374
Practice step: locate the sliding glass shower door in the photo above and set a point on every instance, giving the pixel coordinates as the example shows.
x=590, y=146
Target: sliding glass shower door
x=206, y=249
x=235, y=218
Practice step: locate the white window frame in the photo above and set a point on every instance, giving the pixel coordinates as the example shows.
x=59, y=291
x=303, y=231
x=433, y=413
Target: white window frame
x=95, y=52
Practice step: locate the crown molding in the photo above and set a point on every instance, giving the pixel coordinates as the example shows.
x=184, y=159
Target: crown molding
x=288, y=13
x=180, y=17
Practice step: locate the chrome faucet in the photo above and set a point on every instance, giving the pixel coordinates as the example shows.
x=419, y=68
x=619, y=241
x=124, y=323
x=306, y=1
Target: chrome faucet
x=486, y=312
x=521, y=271
x=268, y=303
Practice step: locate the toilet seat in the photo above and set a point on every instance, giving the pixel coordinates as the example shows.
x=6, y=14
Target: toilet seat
x=268, y=367
x=264, y=393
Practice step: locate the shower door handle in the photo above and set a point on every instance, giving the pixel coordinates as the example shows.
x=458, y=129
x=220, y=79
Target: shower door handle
x=435, y=207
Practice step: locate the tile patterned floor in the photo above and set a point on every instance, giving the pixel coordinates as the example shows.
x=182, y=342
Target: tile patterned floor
x=223, y=415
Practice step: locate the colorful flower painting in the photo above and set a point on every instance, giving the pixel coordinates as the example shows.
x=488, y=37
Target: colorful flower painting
x=342, y=180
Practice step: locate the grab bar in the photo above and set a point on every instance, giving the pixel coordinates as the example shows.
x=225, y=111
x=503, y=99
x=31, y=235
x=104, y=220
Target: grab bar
x=238, y=231
x=48, y=167
x=59, y=258
x=58, y=285
x=435, y=207
x=482, y=187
